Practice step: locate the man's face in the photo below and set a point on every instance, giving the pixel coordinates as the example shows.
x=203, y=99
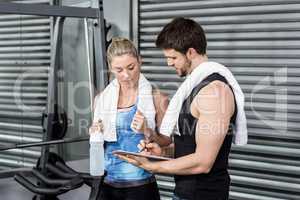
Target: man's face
x=177, y=60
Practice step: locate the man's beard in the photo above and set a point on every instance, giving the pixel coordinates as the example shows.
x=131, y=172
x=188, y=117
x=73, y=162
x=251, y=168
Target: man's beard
x=187, y=66
x=183, y=74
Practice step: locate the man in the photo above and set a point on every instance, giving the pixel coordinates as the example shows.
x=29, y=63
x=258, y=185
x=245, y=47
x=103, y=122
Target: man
x=206, y=120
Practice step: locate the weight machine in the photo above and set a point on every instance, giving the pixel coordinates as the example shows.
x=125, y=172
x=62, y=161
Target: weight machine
x=51, y=176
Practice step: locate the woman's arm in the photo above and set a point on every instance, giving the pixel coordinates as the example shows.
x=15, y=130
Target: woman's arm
x=95, y=127
x=139, y=122
x=161, y=102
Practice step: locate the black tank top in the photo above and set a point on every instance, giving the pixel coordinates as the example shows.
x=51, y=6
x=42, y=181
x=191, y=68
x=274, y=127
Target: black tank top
x=215, y=184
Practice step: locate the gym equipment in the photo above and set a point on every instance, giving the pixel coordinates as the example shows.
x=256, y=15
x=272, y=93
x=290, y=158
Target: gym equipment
x=51, y=176
x=37, y=144
x=58, y=179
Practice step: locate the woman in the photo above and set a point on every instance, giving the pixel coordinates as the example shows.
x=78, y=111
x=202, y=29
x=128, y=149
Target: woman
x=125, y=181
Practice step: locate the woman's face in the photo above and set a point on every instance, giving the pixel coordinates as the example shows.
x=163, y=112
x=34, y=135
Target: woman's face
x=126, y=69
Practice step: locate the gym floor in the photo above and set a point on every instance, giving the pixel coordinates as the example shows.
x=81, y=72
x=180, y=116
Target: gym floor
x=11, y=190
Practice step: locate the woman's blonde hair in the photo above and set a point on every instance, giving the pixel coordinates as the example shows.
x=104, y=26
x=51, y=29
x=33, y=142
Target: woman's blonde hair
x=121, y=46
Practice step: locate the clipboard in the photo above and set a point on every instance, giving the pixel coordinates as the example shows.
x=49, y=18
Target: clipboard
x=150, y=157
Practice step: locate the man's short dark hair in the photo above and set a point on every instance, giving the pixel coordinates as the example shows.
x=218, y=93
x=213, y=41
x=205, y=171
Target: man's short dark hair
x=181, y=34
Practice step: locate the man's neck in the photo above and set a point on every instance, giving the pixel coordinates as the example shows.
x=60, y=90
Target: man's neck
x=197, y=61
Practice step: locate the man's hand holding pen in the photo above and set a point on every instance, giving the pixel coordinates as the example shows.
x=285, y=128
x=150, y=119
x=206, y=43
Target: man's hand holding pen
x=150, y=148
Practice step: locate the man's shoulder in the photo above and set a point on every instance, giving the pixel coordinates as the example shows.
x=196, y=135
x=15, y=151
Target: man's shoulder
x=212, y=89
x=213, y=97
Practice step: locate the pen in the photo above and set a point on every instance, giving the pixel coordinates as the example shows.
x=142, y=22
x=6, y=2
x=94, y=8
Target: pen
x=142, y=149
x=146, y=142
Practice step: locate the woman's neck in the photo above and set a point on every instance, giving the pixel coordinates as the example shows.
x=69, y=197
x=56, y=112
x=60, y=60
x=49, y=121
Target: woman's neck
x=128, y=87
x=127, y=96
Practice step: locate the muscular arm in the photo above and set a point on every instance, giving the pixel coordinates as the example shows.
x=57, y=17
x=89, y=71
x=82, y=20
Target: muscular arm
x=213, y=106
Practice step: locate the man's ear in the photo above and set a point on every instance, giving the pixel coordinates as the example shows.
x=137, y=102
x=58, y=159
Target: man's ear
x=191, y=53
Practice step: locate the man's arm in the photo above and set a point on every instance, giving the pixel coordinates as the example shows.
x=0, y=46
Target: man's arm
x=213, y=106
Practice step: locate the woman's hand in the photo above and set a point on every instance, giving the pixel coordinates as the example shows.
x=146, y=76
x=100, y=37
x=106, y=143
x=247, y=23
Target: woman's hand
x=139, y=122
x=96, y=127
x=137, y=161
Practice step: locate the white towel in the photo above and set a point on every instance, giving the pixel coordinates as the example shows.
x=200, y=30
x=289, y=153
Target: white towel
x=107, y=102
x=170, y=120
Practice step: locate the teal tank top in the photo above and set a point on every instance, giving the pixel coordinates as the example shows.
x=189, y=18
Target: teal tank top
x=127, y=140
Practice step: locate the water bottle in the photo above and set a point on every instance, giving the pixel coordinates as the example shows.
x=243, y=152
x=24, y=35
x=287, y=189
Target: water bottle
x=96, y=154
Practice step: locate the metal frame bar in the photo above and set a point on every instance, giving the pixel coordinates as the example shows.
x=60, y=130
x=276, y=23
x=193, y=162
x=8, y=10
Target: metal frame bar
x=44, y=143
x=49, y=10
x=102, y=75
x=135, y=22
x=52, y=87
x=11, y=172
x=90, y=69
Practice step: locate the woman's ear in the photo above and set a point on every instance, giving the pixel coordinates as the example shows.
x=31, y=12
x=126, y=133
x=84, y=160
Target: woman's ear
x=140, y=60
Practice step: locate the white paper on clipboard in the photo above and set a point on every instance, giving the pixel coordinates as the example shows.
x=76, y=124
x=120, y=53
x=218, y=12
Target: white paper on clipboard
x=150, y=157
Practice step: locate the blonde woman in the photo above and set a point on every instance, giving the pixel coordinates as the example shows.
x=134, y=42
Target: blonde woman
x=125, y=181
